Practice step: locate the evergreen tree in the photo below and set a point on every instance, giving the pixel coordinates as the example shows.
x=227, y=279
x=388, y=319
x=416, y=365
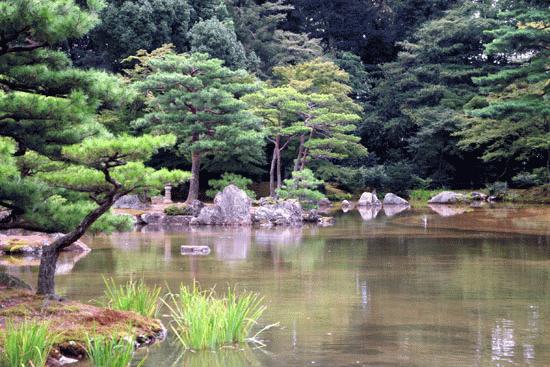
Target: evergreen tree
x=220, y=41
x=282, y=110
x=196, y=98
x=62, y=170
x=511, y=117
x=332, y=115
x=414, y=107
x=258, y=27
x=128, y=26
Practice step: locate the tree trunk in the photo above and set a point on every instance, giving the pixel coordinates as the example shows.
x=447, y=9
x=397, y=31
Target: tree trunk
x=194, y=182
x=50, y=254
x=298, y=162
x=272, y=172
x=279, y=180
x=548, y=165
x=303, y=160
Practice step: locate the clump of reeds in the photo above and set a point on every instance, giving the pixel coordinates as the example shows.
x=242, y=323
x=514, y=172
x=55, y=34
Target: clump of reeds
x=203, y=320
x=26, y=344
x=104, y=351
x=132, y=296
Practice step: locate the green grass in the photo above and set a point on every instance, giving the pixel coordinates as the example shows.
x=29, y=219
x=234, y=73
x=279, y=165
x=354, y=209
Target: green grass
x=132, y=296
x=26, y=344
x=422, y=195
x=110, y=352
x=201, y=320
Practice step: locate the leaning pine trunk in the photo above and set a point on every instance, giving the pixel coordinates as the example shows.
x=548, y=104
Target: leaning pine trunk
x=272, y=172
x=50, y=254
x=297, y=163
x=279, y=162
x=194, y=183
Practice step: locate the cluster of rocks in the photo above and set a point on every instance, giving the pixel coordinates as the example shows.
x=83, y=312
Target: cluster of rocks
x=31, y=243
x=233, y=207
x=450, y=197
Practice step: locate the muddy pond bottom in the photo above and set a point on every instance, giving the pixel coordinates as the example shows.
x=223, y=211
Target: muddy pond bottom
x=418, y=288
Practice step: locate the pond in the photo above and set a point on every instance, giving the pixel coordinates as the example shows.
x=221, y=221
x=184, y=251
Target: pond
x=450, y=287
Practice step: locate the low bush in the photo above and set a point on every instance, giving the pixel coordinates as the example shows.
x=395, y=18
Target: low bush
x=132, y=296
x=201, y=320
x=27, y=344
x=178, y=210
x=497, y=189
x=303, y=186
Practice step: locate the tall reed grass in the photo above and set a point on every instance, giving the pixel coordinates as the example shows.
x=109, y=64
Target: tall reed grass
x=104, y=351
x=201, y=320
x=132, y=296
x=26, y=344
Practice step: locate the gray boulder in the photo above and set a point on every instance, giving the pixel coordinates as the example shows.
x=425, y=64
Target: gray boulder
x=130, y=202
x=311, y=216
x=447, y=197
x=152, y=218
x=392, y=199
x=282, y=213
x=231, y=207
x=369, y=199
x=324, y=202
x=196, y=207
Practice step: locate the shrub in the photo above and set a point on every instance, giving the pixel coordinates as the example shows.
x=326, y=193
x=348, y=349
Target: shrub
x=201, y=320
x=178, y=210
x=132, y=296
x=334, y=193
x=497, y=189
x=537, y=177
x=303, y=187
x=26, y=344
x=106, y=351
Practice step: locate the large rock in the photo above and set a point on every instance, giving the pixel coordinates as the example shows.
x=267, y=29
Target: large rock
x=282, y=213
x=130, y=202
x=368, y=199
x=11, y=282
x=392, y=199
x=196, y=207
x=231, y=207
x=31, y=244
x=447, y=197
x=161, y=219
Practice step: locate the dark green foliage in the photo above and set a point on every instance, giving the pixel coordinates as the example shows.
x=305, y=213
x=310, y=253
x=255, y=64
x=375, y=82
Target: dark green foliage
x=128, y=26
x=415, y=106
x=511, y=117
x=220, y=41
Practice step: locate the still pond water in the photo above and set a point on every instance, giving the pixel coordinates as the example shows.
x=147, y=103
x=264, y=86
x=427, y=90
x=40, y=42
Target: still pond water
x=418, y=288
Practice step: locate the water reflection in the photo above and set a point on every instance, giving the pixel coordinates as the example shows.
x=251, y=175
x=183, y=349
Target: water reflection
x=447, y=210
x=391, y=210
x=368, y=213
x=378, y=294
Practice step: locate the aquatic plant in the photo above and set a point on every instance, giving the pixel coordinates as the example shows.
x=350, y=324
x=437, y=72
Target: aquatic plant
x=202, y=320
x=26, y=344
x=106, y=351
x=132, y=296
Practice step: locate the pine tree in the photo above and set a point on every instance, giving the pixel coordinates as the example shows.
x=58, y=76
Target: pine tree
x=332, y=116
x=282, y=110
x=195, y=97
x=511, y=117
x=62, y=169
